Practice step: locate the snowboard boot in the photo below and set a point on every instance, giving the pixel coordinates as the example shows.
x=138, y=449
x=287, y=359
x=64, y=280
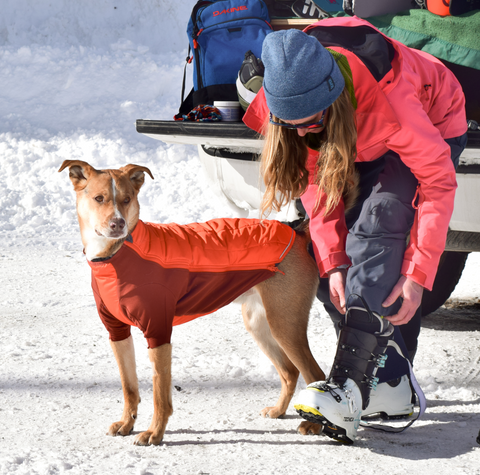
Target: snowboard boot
x=308, y=9
x=391, y=400
x=338, y=403
x=250, y=79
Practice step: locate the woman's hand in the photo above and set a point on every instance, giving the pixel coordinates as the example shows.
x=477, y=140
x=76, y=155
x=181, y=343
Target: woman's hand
x=412, y=298
x=336, y=283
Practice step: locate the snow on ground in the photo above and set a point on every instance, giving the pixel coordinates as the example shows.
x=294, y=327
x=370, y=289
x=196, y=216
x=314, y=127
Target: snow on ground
x=75, y=76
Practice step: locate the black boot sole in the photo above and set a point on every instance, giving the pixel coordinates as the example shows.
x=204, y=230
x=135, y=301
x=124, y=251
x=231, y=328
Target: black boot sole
x=331, y=430
x=386, y=417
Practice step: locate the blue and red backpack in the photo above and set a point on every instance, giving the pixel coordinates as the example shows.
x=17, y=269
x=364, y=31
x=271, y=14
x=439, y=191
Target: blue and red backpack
x=220, y=32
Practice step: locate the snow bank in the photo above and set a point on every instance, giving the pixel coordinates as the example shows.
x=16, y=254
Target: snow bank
x=75, y=76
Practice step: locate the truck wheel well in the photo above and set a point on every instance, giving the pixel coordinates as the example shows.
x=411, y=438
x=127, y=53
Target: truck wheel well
x=449, y=272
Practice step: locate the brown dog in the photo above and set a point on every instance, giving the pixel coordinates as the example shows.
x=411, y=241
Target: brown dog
x=138, y=281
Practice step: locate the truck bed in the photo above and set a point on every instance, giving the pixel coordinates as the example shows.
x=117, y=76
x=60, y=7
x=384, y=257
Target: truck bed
x=237, y=134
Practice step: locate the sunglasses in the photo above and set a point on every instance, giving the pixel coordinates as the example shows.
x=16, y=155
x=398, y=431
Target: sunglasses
x=314, y=125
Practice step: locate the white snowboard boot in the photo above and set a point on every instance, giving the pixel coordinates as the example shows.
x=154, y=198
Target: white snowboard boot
x=338, y=403
x=337, y=409
x=391, y=401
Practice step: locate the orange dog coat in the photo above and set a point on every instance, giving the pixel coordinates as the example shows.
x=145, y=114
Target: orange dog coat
x=167, y=274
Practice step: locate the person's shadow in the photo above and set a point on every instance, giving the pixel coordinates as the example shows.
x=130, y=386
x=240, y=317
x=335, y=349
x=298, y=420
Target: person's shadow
x=448, y=428
x=444, y=435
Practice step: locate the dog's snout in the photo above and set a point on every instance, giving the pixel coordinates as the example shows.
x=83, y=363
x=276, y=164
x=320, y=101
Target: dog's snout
x=117, y=224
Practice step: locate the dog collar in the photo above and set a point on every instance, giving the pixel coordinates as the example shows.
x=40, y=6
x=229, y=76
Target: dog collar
x=100, y=259
x=129, y=239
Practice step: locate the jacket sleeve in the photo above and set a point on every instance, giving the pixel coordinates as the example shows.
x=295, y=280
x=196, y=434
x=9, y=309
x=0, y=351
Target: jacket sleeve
x=329, y=233
x=422, y=148
x=117, y=330
x=151, y=307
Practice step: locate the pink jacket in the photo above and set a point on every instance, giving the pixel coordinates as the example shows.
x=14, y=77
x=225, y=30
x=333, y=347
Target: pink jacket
x=410, y=111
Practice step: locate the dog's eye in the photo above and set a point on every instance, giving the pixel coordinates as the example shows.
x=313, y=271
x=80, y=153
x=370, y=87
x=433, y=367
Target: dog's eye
x=99, y=198
x=126, y=201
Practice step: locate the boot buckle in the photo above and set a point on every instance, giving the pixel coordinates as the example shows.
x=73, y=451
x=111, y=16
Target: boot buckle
x=372, y=383
x=380, y=360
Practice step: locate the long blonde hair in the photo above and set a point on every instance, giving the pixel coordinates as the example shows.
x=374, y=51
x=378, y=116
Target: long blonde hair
x=284, y=157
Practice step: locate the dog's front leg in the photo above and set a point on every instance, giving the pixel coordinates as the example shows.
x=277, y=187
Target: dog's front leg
x=161, y=358
x=125, y=355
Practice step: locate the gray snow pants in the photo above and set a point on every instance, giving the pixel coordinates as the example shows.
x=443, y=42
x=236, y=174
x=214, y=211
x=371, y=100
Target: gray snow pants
x=378, y=228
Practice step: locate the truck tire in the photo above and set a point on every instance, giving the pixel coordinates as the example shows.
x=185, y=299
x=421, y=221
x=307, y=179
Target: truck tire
x=463, y=241
x=449, y=272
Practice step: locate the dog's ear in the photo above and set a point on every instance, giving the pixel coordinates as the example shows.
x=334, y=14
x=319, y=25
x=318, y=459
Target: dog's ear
x=80, y=172
x=136, y=173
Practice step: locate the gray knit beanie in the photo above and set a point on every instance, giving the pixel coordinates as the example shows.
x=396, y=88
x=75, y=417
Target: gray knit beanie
x=301, y=76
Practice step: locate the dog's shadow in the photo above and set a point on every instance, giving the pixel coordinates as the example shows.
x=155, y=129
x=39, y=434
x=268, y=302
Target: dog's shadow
x=198, y=434
x=447, y=436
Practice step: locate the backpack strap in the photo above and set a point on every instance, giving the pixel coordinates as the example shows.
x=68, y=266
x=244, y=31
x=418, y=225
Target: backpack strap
x=198, y=5
x=188, y=60
x=188, y=101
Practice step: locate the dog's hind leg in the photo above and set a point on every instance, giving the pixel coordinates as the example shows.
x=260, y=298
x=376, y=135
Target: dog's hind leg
x=125, y=355
x=256, y=323
x=287, y=299
x=161, y=358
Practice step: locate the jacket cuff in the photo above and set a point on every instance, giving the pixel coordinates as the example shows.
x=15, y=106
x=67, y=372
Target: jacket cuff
x=120, y=334
x=155, y=342
x=333, y=260
x=411, y=270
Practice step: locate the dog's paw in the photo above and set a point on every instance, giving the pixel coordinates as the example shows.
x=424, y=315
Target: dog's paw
x=272, y=412
x=309, y=428
x=120, y=428
x=148, y=438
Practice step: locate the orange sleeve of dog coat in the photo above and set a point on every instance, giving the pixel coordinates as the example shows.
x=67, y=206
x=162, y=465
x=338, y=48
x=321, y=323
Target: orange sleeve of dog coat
x=171, y=274
x=118, y=330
